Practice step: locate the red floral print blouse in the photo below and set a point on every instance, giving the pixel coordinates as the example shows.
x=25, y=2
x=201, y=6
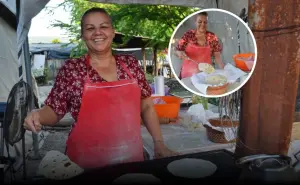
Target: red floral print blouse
x=66, y=93
x=190, y=37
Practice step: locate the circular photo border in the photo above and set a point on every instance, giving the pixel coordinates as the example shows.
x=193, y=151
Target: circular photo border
x=170, y=49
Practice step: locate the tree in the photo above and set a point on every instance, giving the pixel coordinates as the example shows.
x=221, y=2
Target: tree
x=55, y=41
x=156, y=22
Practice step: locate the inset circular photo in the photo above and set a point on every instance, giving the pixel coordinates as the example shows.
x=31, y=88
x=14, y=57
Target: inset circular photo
x=212, y=53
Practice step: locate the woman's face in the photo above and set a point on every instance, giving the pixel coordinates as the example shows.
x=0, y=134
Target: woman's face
x=98, y=32
x=201, y=23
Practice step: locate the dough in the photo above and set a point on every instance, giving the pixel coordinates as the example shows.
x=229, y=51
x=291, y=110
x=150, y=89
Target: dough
x=137, y=178
x=57, y=166
x=207, y=68
x=192, y=168
x=216, y=80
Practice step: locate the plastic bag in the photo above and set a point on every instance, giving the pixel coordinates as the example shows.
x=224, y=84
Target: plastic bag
x=199, y=114
x=158, y=101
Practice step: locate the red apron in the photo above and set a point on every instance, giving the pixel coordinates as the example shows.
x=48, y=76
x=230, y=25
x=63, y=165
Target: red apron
x=108, y=129
x=200, y=54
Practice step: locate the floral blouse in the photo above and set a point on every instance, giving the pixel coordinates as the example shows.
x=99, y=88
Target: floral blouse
x=190, y=37
x=66, y=93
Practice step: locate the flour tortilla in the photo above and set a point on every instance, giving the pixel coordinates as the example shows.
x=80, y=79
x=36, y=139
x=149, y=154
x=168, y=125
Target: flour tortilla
x=192, y=168
x=57, y=166
x=207, y=68
x=137, y=178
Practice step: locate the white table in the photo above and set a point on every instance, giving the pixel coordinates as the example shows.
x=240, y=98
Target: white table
x=179, y=139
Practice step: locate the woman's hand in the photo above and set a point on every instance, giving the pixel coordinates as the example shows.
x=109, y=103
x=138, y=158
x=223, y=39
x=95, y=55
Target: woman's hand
x=44, y=116
x=161, y=151
x=219, y=60
x=32, y=122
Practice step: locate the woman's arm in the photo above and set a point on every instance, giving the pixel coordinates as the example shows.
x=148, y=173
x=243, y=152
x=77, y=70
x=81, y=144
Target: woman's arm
x=219, y=61
x=217, y=49
x=148, y=113
x=151, y=120
x=181, y=45
x=56, y=104
x=48, y=117
x=38, y=117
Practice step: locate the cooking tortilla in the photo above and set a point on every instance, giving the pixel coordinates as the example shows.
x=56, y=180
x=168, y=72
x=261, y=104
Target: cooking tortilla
x=192, y=168
x=216, y=80
x=207, y=68
x=57, y=166
x=137, y=178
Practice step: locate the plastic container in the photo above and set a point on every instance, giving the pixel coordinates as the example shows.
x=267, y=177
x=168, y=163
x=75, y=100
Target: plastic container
x=217, y=90
x=170, y=109
x=239, y=63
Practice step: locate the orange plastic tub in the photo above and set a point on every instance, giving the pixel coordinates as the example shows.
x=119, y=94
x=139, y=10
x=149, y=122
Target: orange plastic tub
x=170, y=109
x=239, y=63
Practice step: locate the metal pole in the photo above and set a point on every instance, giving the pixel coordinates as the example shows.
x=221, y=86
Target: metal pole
x=269, y=97
x=29, y=81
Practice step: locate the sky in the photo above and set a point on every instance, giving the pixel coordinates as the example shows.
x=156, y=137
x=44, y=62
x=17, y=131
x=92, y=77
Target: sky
x=40, y=25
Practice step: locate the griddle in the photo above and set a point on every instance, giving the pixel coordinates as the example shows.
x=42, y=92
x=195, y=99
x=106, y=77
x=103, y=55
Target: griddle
x=223, y=159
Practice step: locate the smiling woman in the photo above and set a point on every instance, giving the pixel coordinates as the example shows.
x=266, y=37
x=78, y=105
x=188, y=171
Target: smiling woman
x=91, y=26
x=198, y=46
x=107, y=95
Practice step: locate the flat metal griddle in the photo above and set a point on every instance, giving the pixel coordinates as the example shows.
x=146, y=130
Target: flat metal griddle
x=226, y=171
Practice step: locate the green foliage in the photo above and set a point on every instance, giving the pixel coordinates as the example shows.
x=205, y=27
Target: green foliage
x=155, y=22
x=200, y=100
x=214, y=101
x=204, y=101
x=41, y=75
x=56, y=41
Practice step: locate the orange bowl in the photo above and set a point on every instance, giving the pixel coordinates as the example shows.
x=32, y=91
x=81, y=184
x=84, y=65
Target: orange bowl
x=239, y=63
x=170, y=109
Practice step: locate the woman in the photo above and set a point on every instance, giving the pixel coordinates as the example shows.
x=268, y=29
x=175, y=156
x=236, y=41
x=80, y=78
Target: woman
x=199, y=45
x=107, y=96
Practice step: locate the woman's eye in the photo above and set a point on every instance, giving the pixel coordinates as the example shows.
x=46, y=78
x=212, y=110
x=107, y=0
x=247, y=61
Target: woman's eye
x=90, y=28
x=104, y=26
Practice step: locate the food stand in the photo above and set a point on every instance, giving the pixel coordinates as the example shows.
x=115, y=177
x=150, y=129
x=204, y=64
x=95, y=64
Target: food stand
x=259, y=97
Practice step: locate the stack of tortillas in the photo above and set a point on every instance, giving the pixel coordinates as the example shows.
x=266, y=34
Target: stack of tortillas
x=216, y=80
x=207, y=68
x=192, y=168
x=57, y=166
x=137, y=178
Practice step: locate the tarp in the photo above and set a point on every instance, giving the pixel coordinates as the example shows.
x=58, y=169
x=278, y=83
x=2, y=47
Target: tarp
x=10, y=5
x=28, y=10
x=54, y=51
x=14, y=40
x=11, y=64
x=8, y=59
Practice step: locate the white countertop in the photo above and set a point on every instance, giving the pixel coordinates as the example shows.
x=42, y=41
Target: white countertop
x=179, y=139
